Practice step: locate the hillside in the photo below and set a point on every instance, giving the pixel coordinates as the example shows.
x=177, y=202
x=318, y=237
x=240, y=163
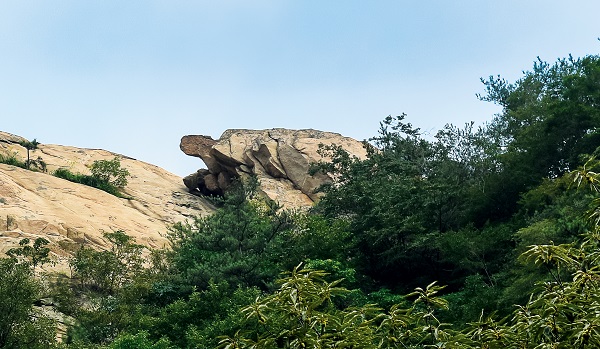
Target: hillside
x=37, y=204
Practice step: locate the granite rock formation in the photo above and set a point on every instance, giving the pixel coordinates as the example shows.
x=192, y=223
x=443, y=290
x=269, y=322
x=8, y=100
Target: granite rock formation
x=280, y=158
x=37, y=204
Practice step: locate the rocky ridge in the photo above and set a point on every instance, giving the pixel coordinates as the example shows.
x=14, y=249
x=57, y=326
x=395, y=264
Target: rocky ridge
x=37, y=204
x=280, y=158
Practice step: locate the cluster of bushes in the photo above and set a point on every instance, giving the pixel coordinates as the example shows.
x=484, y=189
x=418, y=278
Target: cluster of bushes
x=107, y=175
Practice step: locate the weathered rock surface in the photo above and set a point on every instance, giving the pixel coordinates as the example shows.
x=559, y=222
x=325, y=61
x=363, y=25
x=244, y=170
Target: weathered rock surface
x=280, y=158
x=37, y=204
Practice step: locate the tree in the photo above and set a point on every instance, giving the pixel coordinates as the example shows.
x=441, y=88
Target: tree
x=37, y=254
x=197, y=320
x=114, y=283
x=30, y=146
x=405, y=196
x=107, y=271
x=20, y=325
x=301, y=314
x=111, y=172
x=140, y=341
x=237, y=243
x=561, y=313
x=549, y=117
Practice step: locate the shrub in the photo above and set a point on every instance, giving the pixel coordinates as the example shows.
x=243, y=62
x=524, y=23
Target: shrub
x=110, y=171
x=98, y=181
x=11, y=159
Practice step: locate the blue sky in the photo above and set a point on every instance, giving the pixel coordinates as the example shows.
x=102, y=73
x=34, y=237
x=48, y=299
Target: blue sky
x=135, y=76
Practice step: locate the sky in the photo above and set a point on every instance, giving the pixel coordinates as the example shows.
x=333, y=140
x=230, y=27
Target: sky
x=133, y=77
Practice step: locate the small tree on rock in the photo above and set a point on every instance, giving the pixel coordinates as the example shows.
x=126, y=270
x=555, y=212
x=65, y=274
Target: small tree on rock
x=29, y=145
x=110, y=171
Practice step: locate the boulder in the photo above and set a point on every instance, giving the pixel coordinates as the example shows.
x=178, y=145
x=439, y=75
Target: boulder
x=224, y=180
x=192, y=181
x=200, y=146
x=211, y=182
x=279, y=158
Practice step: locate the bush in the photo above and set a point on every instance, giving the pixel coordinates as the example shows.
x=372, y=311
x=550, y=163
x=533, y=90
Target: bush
x=11, y=159
x=110, y=171
x=90, y=181
x=140, y=341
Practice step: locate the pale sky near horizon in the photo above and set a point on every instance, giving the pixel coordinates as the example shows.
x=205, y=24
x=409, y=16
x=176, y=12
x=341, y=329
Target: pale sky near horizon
x=133, y=77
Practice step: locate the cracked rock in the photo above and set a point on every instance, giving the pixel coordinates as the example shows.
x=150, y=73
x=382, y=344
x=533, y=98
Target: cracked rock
x=279, y=158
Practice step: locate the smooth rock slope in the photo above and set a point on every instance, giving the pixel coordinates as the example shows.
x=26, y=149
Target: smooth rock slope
x=37, y=204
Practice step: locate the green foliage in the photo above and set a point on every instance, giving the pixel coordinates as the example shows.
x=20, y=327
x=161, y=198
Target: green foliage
x=111, y=287
x=107, y=271
x=111, y=172
x=407, y=195
x=562, y=313
x=68, y=175
x=558, y=101
x=63, y=295
x=36, y=254
x=21, y=326
x=337, y=270
x=477, y=296
x=140, y=341
x=476, y=251
x=197, y=320
x=11, y=159
x=99, y=321
x=30, y=146
x=300, y=314
x=237, y=244
x=90, y=181
x=30, y=164
x=459, y=208
x=315, y=237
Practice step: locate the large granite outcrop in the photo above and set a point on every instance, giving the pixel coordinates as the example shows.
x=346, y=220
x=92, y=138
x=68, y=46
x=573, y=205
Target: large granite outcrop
x=280, y=158
x=37, y=204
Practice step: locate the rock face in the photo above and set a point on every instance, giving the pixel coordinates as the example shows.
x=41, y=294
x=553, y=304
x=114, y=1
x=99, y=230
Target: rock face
x=280, y=158
x=37, y=204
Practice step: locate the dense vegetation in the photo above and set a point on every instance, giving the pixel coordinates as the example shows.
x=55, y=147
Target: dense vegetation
x=481, y=237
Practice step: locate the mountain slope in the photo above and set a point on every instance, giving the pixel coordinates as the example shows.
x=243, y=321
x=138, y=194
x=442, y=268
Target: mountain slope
x=36, y=204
